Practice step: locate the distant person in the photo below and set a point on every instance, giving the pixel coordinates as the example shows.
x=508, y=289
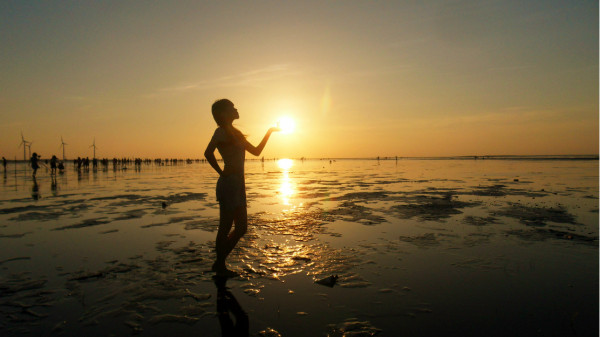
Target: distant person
x=34, y=162
x=4, y=163
x=231, y=186
x=61, y=167
x=53, y=162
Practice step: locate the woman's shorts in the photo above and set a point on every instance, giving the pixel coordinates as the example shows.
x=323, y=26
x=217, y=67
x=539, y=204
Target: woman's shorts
x=231, y=191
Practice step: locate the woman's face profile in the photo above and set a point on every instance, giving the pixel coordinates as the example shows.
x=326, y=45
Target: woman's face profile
x=233, y=112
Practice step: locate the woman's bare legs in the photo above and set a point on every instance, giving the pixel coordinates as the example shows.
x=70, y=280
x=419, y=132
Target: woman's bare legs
x=240, y=220
x=225, y=223
x=228, y=239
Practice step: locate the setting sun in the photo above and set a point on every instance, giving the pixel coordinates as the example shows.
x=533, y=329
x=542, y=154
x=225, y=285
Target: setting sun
x=286, y=124
x=285, y=164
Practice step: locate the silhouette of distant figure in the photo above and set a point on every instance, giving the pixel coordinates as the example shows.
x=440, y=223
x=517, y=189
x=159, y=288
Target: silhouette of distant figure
x=231, y=186
x=226, y=304
x=61, y=167
x=4, y=163
x=34, y=163
x=53, y=162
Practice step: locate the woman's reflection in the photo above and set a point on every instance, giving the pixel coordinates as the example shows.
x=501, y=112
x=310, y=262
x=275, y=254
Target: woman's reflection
x=228, y=306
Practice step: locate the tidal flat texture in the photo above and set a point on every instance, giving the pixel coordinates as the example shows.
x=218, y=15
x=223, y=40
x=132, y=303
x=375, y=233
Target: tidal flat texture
x=334, y=248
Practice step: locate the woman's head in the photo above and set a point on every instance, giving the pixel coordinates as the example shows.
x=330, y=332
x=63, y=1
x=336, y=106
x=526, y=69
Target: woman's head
x=224, y=112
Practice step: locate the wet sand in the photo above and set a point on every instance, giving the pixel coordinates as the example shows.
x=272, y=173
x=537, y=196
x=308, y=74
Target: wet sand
x=419, y=248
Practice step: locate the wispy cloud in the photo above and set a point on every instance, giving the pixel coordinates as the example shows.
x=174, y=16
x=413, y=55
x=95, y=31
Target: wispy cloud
x=380, y=71
x=508, y=117
x=511, y=68
x=75, y=98
x=249, y=78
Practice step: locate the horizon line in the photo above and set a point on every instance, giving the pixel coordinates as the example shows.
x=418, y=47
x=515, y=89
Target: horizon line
x=501, y=156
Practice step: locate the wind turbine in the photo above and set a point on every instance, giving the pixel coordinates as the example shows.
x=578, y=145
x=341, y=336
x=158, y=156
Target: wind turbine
x=94, y=146
x=62, y=144
x=29, y=147
x=24, y=144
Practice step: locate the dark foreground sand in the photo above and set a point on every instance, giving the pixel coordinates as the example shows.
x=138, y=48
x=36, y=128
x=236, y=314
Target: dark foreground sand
x=419, y=248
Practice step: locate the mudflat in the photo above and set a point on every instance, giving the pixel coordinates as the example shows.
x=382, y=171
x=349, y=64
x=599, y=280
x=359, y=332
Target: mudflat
x=339, y=248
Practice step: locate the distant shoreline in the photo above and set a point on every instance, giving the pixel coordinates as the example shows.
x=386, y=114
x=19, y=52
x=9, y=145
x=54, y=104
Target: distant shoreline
x=487, y=157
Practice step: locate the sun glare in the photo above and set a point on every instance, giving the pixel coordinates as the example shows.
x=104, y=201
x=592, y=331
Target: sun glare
x=286, y=124
x=285, y=164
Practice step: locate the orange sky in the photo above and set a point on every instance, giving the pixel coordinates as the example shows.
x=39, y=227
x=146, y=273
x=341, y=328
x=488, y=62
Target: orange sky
x=361, y=79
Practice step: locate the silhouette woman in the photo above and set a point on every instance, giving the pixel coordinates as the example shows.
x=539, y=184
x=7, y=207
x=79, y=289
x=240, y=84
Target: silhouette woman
x=231, y=186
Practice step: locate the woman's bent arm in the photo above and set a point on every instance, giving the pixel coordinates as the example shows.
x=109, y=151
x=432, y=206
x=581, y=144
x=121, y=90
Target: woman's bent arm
x=257, y=150
x=209, y=154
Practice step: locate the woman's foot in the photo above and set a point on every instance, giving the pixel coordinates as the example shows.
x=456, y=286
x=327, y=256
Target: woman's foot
x=222, y=271
x=227, y=273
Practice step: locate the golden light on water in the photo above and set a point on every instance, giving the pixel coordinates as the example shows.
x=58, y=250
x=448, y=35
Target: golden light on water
x=287, y=188
x=286, y=124
x=285, y=164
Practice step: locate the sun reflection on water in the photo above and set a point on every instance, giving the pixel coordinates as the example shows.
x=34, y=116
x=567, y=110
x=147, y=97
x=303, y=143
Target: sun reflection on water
x=285, y=164
x=287, y=187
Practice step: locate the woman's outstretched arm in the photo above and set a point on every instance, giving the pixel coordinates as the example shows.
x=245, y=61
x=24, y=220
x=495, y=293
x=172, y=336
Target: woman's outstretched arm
x=256, y=150
x=209, y=154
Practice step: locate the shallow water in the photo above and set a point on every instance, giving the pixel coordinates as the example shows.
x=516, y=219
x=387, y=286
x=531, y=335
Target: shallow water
x=420, y=247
